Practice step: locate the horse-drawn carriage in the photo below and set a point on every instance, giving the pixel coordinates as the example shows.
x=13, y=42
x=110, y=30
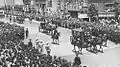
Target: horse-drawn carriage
x=84, y=39
x=46, y=27
x=77, y=38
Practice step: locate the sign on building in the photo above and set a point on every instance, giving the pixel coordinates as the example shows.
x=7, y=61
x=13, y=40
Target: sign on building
x=82, y=15
x=74, y=7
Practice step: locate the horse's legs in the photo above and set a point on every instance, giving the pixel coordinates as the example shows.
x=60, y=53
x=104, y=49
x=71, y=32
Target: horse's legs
x=50, y=32
x=80, y=49
x=58, y=40
x=74, y=46
x=95, y=49
x=101, y=48
x=105, y=43
x=91, y=47
x=53, y=40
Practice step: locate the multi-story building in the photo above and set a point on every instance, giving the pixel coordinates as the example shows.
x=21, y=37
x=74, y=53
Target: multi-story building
x=40, y=5
x=53, y=7
x=74, y=7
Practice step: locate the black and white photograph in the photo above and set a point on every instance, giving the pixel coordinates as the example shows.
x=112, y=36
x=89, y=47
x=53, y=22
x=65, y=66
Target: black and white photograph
x=59, y=33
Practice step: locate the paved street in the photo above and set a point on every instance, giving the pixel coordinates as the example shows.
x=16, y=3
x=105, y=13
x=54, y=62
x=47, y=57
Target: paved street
x=56, y=49
x=110, y=57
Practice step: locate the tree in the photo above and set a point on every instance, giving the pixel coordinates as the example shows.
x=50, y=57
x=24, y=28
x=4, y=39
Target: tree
x=116, y=12
x=92, y=13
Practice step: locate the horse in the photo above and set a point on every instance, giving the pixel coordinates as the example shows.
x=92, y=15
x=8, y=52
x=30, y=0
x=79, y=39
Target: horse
x=55, y=37
x=80, y=43
x=77, y=41
x=91, y=43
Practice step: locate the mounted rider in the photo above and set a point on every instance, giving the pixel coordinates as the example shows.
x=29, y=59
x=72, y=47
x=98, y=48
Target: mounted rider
x=55, y=36
x=80, y=43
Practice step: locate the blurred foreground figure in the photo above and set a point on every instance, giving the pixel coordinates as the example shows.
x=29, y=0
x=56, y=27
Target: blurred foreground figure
x=47, y=47
x=30, y=43
x=77, y=61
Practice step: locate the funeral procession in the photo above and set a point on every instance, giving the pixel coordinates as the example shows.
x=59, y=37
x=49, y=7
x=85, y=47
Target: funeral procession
x=59, y=33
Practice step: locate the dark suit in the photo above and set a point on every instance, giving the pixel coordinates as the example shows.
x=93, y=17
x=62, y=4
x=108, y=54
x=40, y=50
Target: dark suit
x=77, y=60
x=27, y=32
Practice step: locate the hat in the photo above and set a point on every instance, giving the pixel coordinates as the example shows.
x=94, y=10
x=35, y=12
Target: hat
x=41, y=41
x=93, y=36
x=47, y=43
x=105, y=34
x=37, y=39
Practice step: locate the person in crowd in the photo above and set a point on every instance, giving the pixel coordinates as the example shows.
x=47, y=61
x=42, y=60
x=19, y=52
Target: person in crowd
x=30, y=44
x=47, y=47
x=17, y=54
x=10, y=18
x=77, y=61
x=40, y=46
x=37, y=42
x=27, y=32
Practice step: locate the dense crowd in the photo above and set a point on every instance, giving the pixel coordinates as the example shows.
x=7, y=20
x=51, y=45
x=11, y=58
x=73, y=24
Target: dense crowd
x=14, y=53
x=103, y=26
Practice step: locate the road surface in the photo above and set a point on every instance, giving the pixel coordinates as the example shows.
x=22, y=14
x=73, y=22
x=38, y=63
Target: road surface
x=110, y=57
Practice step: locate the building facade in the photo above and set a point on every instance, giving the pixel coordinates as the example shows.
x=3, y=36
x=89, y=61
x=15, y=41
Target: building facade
x=74, y=7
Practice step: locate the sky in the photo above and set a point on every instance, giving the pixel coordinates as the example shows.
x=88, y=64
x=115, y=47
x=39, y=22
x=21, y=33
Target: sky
x=16, y=1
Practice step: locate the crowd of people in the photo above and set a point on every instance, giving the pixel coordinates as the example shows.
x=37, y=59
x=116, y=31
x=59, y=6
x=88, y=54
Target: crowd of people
x=14, y=53
x=102, y=26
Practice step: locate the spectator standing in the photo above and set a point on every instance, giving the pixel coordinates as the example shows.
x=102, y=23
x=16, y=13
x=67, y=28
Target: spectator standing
x=10, y=18
x=47, y=47
x=40, y=46
x=77, y=61
x=27, y=32
x=30, y=43
x=37, y=42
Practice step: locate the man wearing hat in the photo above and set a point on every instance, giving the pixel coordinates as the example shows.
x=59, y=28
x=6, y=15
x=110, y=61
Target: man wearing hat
x=77, y=60
x=47, y=47
x=40, y=46
x=37, y=41
x=30, y=43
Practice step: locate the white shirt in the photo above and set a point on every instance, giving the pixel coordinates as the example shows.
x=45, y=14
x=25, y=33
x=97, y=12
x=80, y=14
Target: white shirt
x=47, y=47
